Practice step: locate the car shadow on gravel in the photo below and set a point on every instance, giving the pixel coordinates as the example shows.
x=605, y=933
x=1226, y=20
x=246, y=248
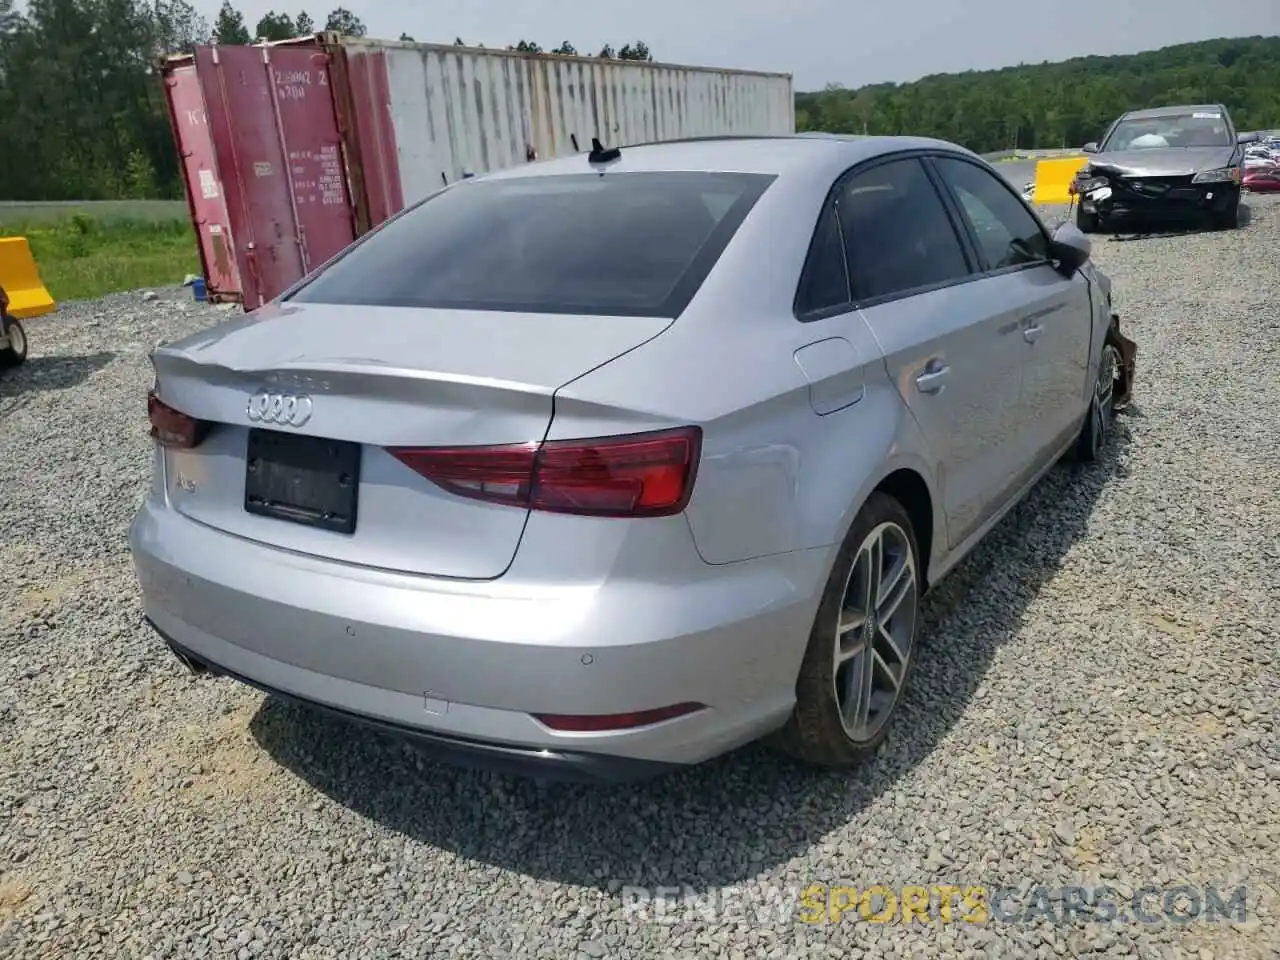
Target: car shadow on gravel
x=52, y=373
x=728, y=820
x=1153, y=232
x=46, y=374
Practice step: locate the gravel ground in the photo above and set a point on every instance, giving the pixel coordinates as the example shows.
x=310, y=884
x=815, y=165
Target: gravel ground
x=1096, y=703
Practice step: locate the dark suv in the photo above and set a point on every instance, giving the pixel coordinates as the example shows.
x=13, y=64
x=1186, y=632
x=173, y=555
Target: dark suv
x=1166, y=163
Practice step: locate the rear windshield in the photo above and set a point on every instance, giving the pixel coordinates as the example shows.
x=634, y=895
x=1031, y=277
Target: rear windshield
x=617, y=244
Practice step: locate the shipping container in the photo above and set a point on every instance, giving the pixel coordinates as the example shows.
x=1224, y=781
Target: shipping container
x=205, y=198
x=306, y=144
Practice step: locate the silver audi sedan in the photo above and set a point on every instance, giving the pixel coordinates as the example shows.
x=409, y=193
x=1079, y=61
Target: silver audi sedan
x=606, y=465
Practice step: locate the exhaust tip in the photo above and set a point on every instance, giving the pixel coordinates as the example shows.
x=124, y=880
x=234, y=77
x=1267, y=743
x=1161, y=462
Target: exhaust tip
x=196, y=668
x=193, y=665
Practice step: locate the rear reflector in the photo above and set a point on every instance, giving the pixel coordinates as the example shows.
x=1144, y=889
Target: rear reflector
x=601, y=722
x=172, y=428
x=639, y=475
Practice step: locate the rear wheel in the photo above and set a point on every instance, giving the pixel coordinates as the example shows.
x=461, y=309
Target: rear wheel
x=862, y=646
x=16, y=350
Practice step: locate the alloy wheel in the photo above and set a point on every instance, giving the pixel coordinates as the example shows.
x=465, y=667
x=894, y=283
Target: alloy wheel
x=876, y=631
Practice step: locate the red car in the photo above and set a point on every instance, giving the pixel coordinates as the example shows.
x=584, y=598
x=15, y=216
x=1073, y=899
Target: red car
x=1262, y=179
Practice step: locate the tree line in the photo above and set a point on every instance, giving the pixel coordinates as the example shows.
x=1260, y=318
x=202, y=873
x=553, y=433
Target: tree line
x=1062, y=104
x=84, y=116
x=81, y=103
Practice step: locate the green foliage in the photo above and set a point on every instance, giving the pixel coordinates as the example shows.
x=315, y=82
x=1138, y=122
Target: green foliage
x=345, y=22
x=276, y=26
x=229, y=28
x=631, y=51
x=83, y=112
x=1058, y=104
x=635, y=51
x=80, y=256
x=139, y=177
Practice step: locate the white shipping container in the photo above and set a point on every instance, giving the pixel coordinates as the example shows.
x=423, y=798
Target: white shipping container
x=456, y=110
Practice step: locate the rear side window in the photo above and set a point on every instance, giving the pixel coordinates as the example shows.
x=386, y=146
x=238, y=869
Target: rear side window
x=824, y=283
x=1006, y=232
x=897, y=233
x=618, y=244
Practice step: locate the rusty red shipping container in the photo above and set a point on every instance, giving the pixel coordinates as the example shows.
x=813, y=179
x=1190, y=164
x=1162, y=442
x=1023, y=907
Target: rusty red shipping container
x=204, y=186
x=304, y=145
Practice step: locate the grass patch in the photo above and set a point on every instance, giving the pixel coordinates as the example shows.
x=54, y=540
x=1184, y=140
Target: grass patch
x=81, y=256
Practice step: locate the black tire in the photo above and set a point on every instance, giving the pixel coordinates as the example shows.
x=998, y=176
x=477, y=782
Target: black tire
x=1102, y=408
x=816, y=733
x=15, y=353
x=1229, y=219
x=1086, y=222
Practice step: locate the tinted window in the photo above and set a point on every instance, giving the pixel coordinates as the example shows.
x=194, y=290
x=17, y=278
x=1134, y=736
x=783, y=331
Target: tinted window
x=622, y=244
x=824, y=282
x=897, y=233
x=1006, y=232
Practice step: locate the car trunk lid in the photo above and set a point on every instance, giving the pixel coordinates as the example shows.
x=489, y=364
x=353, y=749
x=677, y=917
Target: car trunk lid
x=364, y=379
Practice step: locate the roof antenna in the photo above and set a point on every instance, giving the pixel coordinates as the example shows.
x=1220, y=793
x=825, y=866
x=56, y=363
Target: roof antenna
x=600, y=155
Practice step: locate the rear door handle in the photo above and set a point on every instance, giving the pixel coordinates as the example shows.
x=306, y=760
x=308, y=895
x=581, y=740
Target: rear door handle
x=1032, y=333
x=934, y=378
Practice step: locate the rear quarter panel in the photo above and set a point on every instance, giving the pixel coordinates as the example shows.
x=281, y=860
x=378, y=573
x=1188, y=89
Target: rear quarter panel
x=774, y=476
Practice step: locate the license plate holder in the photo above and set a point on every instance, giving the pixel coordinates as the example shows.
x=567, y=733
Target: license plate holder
x=311, y=481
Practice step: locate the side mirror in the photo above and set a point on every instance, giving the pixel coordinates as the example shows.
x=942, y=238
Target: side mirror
x=1090, y=147
x=1071, y=248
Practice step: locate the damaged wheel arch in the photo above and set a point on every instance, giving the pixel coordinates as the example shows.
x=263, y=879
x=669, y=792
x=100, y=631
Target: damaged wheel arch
x=1125, y=370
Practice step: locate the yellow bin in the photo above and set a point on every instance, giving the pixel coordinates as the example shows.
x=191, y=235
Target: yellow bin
x=21, y=280
x=1054, y=176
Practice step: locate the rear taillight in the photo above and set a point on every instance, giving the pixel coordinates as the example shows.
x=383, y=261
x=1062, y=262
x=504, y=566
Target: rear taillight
x=172, y=428
x=603, y=722
x=640, y=475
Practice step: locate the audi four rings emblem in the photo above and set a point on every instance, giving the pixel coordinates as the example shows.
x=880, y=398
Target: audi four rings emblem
x=281, y=409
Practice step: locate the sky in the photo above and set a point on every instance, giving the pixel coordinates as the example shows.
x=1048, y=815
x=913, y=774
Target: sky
x=852, y=42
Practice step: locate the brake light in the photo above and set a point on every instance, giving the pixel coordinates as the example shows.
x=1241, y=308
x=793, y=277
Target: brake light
x=172, y=428
x=601, y=722
x=640, y=475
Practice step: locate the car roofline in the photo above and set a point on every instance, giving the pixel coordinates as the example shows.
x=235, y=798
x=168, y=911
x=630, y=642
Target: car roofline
x=1174, y=110
x=821, y=152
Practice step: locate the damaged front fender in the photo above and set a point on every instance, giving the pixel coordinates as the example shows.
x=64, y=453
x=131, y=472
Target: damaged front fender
x=1128, y=351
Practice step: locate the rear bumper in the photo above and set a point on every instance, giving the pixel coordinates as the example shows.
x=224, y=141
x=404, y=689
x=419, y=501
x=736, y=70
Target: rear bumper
x=563, y=765
x=463, y=667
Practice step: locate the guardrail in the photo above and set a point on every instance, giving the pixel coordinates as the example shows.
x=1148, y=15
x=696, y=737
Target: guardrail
x=1028, y=154
x=12, y=211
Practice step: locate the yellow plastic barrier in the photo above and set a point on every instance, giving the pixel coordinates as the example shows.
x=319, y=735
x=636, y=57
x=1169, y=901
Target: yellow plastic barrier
x=21, y=280
x=1054, y=176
